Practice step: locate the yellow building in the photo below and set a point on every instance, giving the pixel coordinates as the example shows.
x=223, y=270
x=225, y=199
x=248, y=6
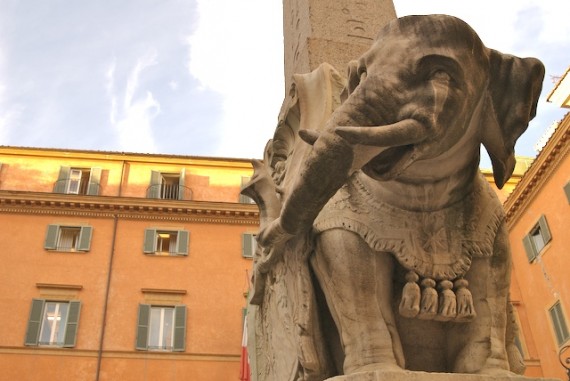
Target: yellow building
x=122, y=266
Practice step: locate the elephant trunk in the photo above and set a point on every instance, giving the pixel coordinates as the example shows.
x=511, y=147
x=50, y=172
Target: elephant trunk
x=350, y=140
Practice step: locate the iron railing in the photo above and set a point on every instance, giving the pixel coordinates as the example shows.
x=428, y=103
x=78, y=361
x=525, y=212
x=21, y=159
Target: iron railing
x=169, y=192
x=61, y=186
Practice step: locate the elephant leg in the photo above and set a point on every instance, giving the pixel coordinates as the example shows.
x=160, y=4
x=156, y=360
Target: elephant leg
x=357, y=284
x=479, y=346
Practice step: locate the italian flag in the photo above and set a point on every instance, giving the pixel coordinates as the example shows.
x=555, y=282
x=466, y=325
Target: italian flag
x=244, y=374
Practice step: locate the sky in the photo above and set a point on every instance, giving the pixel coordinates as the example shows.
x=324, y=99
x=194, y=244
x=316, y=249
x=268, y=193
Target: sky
x=200, y=77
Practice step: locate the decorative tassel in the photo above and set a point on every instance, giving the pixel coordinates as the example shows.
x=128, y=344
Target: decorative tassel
x=448, y=303
x=428, y=305
x=410, y=304
x=465, y=309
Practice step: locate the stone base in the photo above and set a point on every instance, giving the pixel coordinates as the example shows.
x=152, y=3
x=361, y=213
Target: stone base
x=425, y=376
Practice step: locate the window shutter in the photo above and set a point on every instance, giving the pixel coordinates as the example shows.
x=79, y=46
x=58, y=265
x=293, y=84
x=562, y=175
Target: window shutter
x=179, y=344
x=248, y=245
x=51, y=237
x=34, y=322
x=544, y=230
x=182, y=242
x=559, y=323
x=243, y=199
x=567, y=191
x=94, y=182
x=62, y=180
x=149, y=245
x=142, y=327
x=72, y=323
x=529, y=248
x=181, y=187
x=85, y=238
x=155, y=183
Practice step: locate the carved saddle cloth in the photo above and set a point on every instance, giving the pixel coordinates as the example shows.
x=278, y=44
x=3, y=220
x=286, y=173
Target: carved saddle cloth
x=436, y=244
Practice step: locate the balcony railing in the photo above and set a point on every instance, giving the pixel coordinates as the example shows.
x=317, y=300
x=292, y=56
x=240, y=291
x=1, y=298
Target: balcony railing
x=169, y=192
x=85, y=187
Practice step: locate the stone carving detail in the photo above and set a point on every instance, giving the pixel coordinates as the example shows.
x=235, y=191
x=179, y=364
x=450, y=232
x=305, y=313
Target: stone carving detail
x=382, y=248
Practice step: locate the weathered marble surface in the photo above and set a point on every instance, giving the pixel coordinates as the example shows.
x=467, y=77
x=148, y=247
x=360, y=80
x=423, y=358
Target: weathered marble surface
x=424, y=376
x=381, y=247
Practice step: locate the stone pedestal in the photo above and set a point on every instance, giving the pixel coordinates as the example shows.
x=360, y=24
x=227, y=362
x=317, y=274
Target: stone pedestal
x=424, y=376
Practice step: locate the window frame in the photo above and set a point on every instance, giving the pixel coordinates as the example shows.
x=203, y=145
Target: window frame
x=248, y=245
x=559, y=324
x=151, y=238
x=88, y=181
x=529, y=242
x=82, y=244
x=37, y=319
x=144, y=330
x=159, y=180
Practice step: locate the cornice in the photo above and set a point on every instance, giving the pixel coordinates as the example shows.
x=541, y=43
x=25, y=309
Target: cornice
x=204, y=161
x=128, y=208
x=545, y=164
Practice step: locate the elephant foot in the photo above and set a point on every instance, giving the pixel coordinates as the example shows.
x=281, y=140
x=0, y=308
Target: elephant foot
x=379, y=366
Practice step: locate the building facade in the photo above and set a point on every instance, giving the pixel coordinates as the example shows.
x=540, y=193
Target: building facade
x=538, y=217
x=122, y=266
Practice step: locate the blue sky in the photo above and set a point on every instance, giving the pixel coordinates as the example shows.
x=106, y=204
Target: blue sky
x=199, y=77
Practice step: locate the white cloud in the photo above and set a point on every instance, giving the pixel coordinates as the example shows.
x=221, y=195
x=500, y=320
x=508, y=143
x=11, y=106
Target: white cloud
x=237, y=51
x=132, y=118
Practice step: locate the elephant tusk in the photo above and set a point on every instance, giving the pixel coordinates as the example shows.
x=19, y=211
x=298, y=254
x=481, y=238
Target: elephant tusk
x=309, y=136
x=404, y=132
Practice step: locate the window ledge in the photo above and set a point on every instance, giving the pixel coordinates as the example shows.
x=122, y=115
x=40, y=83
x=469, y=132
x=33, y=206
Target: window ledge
x=162, y=291
x=60, y=286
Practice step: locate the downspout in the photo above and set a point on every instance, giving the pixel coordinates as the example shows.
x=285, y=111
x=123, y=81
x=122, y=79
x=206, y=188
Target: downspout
x=121, y=181
x=106, y=301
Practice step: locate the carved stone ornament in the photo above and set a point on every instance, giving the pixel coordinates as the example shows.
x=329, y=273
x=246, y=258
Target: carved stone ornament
x=383, y=252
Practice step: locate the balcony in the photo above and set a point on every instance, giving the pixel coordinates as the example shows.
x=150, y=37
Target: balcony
x=169, y=192
x=72, y=186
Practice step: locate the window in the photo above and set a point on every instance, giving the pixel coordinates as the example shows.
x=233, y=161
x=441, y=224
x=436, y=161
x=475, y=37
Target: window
x=84, y=181
x=166, y=242
x=161, y=328
x=243, y=199
x=168, y=186
x=537, y=239
x=68, y=238
x=53, y=323
x=559, y=324
x=249, y=245
x=567, y=191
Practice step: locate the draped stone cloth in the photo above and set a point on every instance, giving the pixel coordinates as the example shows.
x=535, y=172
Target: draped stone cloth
x=436, y=244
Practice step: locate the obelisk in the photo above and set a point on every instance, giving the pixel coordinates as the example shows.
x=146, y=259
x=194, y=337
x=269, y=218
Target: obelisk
x=333, y=31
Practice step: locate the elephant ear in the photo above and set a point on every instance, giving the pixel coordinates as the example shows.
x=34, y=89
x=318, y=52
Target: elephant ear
x=354, y=73
x=514, y=87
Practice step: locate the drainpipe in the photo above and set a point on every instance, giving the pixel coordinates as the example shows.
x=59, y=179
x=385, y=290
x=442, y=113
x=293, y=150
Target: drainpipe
x=106, y=301
x=121, y=180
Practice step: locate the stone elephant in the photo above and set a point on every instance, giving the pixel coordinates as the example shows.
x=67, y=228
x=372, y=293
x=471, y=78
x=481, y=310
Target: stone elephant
x=404, y=240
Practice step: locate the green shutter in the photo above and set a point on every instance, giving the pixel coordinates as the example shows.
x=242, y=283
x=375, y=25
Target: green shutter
x=35, y=322
x=567, y=191
x=243, y=199
x=94, y=182
x=51, y=237
x=529, y=248
x=142, y=327
x=559, y=323
x=181, y=187
x=72, y=324
x=179, y=344
x=544, y=230
x=61, y=183
x=149, y=246
x=248, y=245
x=182, y=240
x=155, y=183
x=85, y=238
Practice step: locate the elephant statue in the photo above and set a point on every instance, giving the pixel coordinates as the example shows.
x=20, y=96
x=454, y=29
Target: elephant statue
x=382, y=247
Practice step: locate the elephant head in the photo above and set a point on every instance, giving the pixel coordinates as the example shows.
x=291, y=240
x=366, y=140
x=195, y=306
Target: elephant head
x=417, y=106
x=429, y=87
